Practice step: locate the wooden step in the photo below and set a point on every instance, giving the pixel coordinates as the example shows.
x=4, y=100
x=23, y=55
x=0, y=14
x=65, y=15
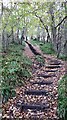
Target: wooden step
x=45, y=76
x=57, y=63
x=50, y=70
x=36, y=92
x=42, y=82
x=53, y=66
x=34, y=106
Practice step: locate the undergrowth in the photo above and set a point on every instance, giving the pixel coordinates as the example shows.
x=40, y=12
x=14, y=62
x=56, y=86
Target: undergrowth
x=62, y=98
x=40, y=59
x=16, y=68
x=63, y=57
x=47, y=48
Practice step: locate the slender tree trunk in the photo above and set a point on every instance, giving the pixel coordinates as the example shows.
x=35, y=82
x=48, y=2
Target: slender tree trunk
x=65, y=30
x=54, y=37
x=12, y=35
x=53, y=29
x=3, y=41
x=18, y=36
x=38, y=33
x=7, y=41
x=59, y=42
x=48, y=35
x=65, y=37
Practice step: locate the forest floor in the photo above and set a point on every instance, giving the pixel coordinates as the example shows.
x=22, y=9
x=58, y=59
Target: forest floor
x=38, y=98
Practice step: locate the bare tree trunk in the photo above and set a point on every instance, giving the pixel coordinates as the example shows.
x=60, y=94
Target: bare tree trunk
x=3, y=42
x=12, y=35
x=38, y=33
x=7, y=41
x=53, y=29
x=48, y=35
x=54, y=37
x=18, y=36
x=65, y=30
x=1, y=4
x=65, y=37
x=59, y=42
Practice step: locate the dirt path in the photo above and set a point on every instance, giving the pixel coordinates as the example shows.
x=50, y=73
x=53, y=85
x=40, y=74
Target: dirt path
x=37, y=99
x=29, y=53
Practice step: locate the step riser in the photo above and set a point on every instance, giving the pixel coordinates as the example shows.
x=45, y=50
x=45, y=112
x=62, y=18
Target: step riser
x=31, y=92
x=34, y=107
x=42, y=83
x=46, y=76
x=53, y=67
x=55, y=63
x=50, y=70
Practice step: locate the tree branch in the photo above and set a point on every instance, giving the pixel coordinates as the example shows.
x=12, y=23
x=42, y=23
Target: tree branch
x=65, y=43
x=45, y=26
x=40, y=19
x=61, y=22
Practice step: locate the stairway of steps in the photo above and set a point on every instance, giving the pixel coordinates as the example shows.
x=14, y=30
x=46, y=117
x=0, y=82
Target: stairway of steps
x=37, y=99
x=39, y=93
x=42, y=82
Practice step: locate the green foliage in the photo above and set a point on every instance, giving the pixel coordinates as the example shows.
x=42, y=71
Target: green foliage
x=8, y=92
x=62, y=98
x=63, y=57
x=35, y=42
x=16, y=68
x=40, y=59
x=47, y=48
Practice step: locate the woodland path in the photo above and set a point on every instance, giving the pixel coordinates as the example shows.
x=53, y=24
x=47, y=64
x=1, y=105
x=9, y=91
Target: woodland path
x=38, y=98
